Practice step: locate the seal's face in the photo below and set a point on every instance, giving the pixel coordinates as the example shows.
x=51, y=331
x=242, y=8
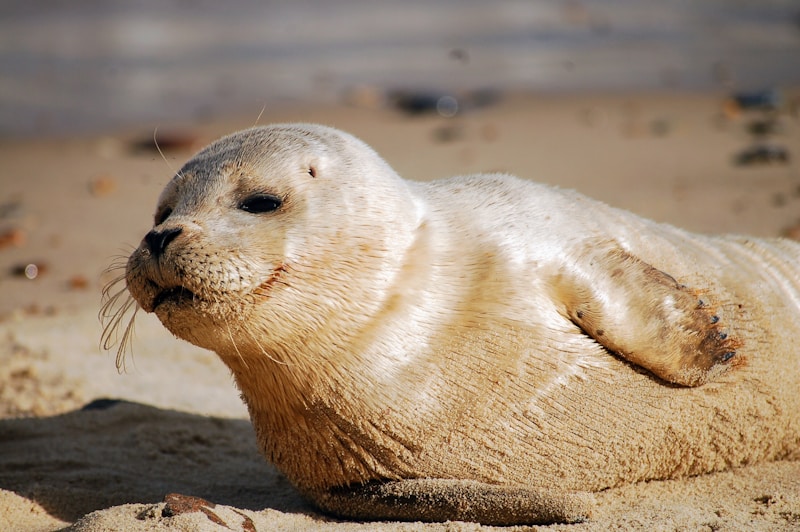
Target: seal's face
x=253, y=216
x=220, y=237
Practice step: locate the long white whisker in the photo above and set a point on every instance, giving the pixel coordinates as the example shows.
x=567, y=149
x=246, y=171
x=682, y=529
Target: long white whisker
x=116, y=306
x=263, y=351
x=233, y=342
x=126, y=344
x=258, y=118
x=155, y=141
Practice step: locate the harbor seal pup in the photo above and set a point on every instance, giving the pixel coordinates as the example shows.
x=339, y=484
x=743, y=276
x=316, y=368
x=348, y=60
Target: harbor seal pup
x=478, y=348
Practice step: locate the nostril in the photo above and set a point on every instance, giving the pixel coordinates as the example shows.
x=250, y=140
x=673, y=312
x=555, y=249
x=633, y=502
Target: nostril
x=158, y=241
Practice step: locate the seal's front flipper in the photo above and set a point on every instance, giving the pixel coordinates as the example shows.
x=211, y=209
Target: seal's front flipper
x=644, y=315
x=438, y=500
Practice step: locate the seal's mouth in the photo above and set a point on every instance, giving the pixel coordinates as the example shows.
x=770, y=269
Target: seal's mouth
x=175, y=294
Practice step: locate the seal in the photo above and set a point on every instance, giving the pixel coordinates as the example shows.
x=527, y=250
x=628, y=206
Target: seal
x=480, y=348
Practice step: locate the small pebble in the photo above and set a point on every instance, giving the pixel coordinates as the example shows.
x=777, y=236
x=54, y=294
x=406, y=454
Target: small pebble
x=14, y=237
x=78, y=282
x=31, y=270
x=102, y=186
x=166, y=142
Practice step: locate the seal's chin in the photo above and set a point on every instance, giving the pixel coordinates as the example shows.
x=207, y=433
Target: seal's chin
x=176, y=295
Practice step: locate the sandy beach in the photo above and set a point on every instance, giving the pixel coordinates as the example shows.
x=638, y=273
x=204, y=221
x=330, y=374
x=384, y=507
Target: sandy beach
x=85, y=447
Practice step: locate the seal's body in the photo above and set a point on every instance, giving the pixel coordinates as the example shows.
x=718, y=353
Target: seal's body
x=480, y=348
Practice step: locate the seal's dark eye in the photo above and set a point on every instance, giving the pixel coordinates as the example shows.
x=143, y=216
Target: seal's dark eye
x=260, y=203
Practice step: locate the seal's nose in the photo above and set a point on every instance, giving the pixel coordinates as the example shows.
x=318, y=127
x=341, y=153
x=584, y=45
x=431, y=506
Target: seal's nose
x=158, y=241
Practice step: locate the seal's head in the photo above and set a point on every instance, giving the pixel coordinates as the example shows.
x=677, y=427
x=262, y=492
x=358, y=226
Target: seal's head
x=279, y=229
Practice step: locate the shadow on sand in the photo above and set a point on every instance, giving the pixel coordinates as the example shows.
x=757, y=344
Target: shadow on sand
x=116, y=452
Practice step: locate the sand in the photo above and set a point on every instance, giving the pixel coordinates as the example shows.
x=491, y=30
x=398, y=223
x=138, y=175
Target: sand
x=174, y=422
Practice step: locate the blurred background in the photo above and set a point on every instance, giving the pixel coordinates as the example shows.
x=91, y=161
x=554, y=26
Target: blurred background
x=84, y=67
x=683, y=111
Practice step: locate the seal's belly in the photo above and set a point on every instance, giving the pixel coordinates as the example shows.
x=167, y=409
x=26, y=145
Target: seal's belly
x=547, y=406
x=598, y=421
